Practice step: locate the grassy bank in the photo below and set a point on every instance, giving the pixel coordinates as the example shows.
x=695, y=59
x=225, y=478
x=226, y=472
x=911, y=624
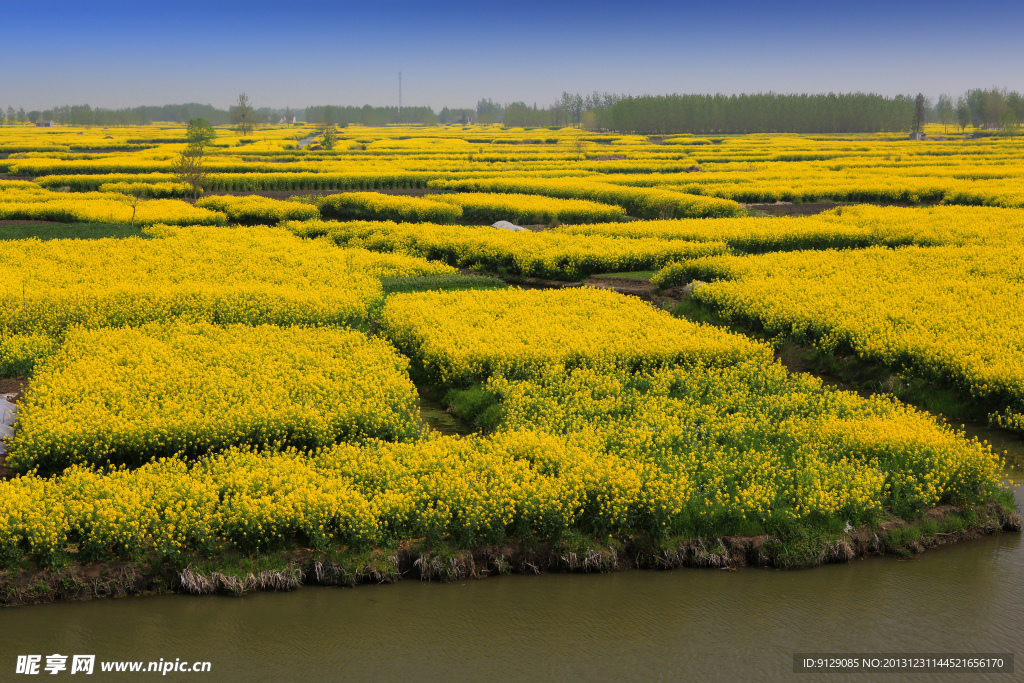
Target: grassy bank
x=795, y=547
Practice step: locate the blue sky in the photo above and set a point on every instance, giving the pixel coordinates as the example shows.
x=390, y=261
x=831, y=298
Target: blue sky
x=116, y=54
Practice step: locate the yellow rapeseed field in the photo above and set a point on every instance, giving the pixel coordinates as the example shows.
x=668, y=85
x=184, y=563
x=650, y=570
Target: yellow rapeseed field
x=182, y=390
x=546, y=254
x=463, y=337
x=951, y=314
x=250, y=275
x=211, y=389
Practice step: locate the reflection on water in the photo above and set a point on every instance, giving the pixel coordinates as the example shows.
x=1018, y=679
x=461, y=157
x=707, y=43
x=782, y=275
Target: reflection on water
x=700, y=624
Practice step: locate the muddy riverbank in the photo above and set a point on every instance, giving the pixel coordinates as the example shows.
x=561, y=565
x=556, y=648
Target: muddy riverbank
x=413, y=560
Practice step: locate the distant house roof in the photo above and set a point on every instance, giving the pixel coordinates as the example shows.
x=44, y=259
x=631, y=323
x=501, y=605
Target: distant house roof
x=45, y=124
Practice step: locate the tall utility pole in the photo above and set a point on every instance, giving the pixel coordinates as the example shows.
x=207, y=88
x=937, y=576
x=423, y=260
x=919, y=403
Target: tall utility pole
x=399, y=93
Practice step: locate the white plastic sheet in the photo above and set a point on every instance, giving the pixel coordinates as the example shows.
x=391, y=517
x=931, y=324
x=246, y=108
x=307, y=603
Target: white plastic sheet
x=505, y=225
x=8, y=414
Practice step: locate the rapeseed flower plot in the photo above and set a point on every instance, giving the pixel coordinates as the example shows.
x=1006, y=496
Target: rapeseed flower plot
x=243, y=275
x=254, y=210
x=377, y=206
x=149, y=190
x=636, y=201
x=750, y=441
x=650, y=173
x=36, y=203
x=951, y=315
x=235, y=500
x=533, y=254
x=231, y=406
x=181, y=390
x=489, y=208
x=841, y=228
x=463, y=337
x=674, y=452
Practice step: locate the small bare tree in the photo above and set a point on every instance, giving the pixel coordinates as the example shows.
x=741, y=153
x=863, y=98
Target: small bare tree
x=243, y=115
x=138, y=194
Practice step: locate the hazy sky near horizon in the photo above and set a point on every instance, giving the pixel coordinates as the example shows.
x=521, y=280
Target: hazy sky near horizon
x=299, y=53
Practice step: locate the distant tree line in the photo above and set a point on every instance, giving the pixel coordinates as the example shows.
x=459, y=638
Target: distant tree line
x=994, y=108
x=10, y=117
x=757, y=113
x=85, y=115
x=570, y=110
x=981, y=108
x=369, y=116
x=768, y=112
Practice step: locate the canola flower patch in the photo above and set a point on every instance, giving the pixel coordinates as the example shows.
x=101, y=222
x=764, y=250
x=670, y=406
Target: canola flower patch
x=675, y=453
x=110, y=182
x=529, y=254
x=256, y=210
x=482, y=207
x=846, y=227
x=950, y=315
x=36, y=203
x=225, y=275
x=377, y=206
x=360, y=496
x=19, y=353
x=158, y=190
x=130, y=395
x=470, y=490
x=463, y=337
x=340, y=176
x=879, y=182
x=749, y=168
x=424, y=283
x=614, y=418
x=271, y=177
x=747, y=445
x=235, y=500
x=636, y=201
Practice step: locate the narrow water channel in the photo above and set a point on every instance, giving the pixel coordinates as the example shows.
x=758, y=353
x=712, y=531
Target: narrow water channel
x=638, y=625
x=434, y=415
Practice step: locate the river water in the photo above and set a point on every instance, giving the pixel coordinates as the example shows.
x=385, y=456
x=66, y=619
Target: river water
x=636, y=625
